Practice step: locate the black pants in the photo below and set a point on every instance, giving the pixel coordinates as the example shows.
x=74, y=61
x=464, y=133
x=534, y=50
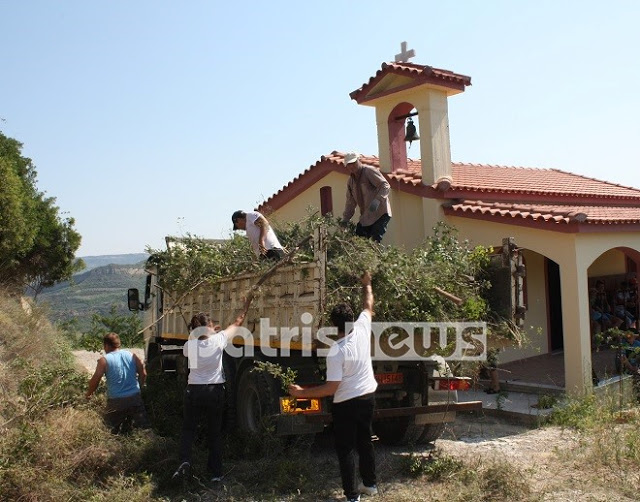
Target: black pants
x=352, y=430
x=124, y=413
x=376, y=230
x=207, y=400
x=275, y=254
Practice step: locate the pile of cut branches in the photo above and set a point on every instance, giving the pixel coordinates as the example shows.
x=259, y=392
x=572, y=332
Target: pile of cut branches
x=407, y=283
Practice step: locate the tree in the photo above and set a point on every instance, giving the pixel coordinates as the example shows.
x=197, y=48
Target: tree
x=37, y=245
x=127, y=326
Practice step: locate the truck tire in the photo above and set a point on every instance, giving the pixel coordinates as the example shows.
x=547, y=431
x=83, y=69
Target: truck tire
x=431, y=433
x=152, y=361
x=404, y=430
x=256, y=402
x=230, y=417
x=182, y=369
x=398, y=431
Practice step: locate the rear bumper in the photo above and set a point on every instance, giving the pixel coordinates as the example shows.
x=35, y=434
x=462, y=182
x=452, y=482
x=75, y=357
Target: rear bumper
x=428, y=410
x=433, y=413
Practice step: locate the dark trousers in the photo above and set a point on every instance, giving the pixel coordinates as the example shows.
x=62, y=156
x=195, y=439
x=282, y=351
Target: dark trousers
x=352, y=431
x=207, y=400
x=275, y=254
x=375, y=231
x=124, y=413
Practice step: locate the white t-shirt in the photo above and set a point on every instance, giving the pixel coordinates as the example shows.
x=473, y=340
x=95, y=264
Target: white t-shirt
x=253, y=234
x=205, y=356
x=349, y=362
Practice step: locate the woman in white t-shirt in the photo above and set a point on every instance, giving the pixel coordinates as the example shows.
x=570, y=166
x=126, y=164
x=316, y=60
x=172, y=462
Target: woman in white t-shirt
x=263, y=239
x=205, y=390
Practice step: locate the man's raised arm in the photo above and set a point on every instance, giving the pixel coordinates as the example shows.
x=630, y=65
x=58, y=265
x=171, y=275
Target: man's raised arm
x=367, y=293
x=233, y=327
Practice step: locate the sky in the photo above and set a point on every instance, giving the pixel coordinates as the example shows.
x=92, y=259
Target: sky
x=153, y=118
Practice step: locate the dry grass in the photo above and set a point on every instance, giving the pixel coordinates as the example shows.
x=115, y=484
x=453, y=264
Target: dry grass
x=54, y=445
x=608, y=448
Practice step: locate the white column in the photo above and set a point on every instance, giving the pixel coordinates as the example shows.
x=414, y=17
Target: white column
x=435, y=149
x=576, y=326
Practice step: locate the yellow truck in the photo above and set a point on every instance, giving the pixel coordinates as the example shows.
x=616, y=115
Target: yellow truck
x=415, y=399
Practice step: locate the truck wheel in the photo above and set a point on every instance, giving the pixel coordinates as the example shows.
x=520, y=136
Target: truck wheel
x=431, y=433
x=399, y=431
x=230, y=418
x=256, y=402
x=182, y=369
x=152, y=360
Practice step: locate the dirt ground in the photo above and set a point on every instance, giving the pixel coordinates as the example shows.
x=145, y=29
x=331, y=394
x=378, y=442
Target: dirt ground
x=545, y=456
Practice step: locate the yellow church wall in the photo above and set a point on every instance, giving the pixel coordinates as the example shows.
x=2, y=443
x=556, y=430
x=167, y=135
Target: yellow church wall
x=298, y=208
x=600, y=258
x=610, y=263
x=413, y=217
x=550, y=244
x=405, y=228
x=536, y=244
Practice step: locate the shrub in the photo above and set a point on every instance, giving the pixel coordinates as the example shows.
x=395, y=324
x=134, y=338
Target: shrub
x=433, y=467
x=54, y=445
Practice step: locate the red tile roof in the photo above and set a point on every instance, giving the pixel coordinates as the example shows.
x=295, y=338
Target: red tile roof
x=481, y=179
x=522, y=195
x=420, y=74
x=548, y=213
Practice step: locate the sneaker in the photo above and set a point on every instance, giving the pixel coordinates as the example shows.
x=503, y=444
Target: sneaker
x=216, y=479
x=183, y=470
x=368, y=490
x=354, y=499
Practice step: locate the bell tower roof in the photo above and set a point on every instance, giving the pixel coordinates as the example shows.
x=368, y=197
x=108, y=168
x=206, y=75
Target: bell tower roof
x=401, y=76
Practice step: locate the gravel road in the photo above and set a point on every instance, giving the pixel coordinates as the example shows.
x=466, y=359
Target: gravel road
x=87, y=359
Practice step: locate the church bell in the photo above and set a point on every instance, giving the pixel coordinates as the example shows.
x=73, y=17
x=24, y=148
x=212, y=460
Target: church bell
x=411, y=133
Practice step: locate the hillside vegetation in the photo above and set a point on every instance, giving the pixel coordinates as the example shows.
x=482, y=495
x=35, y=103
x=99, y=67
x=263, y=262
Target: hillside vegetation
x=92, y=292
x=53, y=444
x=91, y=262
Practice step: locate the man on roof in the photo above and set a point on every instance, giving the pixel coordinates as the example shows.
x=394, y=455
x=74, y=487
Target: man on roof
x=368, y=189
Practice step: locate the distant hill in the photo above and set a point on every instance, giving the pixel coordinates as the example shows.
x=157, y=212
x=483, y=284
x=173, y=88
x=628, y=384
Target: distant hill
x=92, y=262
x=95, y=290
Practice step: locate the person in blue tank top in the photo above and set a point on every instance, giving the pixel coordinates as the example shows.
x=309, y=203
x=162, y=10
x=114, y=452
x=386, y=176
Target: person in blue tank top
x=125, y=373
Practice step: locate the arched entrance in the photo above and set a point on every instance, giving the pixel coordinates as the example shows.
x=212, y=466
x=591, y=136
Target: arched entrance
x=554, y=306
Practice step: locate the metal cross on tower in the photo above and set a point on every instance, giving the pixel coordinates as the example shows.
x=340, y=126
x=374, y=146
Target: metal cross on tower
x=405, y=54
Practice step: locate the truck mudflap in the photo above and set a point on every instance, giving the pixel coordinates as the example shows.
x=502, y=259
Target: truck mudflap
x=431, y=413
x=299, y=424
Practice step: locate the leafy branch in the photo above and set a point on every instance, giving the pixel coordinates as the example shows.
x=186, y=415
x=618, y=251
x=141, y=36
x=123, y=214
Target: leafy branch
x=286, y=376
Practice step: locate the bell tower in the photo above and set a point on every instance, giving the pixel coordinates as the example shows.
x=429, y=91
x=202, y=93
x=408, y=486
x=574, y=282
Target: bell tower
x=402, y=91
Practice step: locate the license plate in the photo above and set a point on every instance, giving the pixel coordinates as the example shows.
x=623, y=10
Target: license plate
x=290, y=405
x=389, y=378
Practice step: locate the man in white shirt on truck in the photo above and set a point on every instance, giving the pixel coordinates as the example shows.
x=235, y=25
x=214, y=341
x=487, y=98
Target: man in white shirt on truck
x=263, y=239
